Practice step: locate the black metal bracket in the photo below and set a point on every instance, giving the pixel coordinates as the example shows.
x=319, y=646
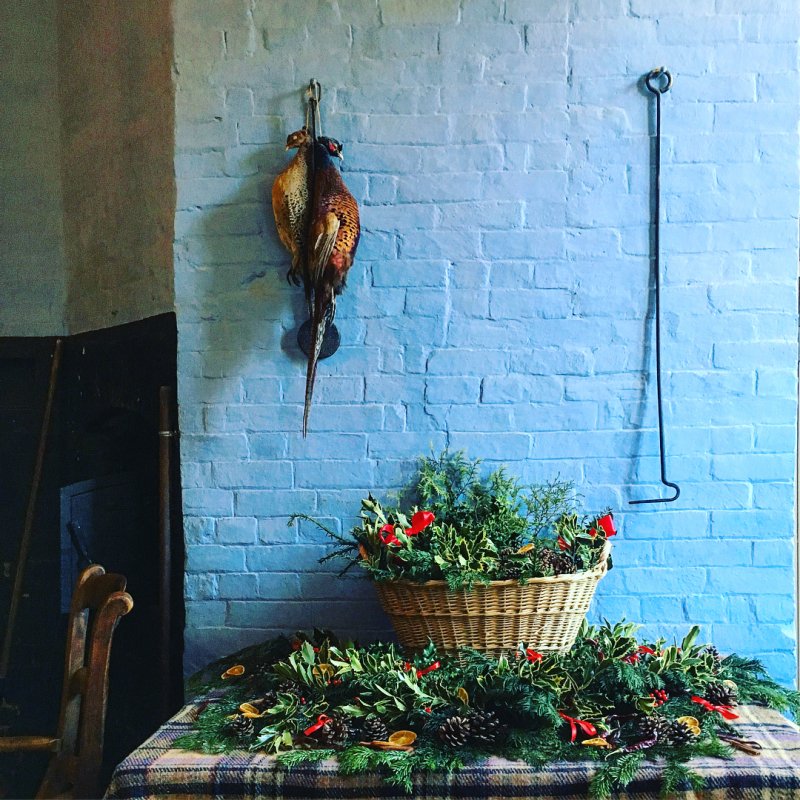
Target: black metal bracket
x=658, y=82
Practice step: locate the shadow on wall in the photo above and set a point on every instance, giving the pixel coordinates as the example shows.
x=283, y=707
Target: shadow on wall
x=247, y=315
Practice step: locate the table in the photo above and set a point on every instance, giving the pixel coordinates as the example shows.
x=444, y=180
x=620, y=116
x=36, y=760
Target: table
x=156, y=769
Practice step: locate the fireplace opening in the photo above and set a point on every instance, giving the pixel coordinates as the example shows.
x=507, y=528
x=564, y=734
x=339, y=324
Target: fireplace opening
x=100, y=501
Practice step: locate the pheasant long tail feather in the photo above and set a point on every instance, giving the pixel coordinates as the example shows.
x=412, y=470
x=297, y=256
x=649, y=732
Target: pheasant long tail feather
x=319, y=323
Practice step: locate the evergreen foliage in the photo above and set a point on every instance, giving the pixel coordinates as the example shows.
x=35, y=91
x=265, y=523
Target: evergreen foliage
x=457, y=525
x=604, y=701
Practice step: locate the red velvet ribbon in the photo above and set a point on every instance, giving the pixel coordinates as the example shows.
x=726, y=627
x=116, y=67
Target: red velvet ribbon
x=562, y=543
x=321, y=720
x=532, y=655
x=726, y=711
x=643, y=648
x=386, y=535
x=607, y=524
x=575, y=723
x=426, y=670
x=419, y=522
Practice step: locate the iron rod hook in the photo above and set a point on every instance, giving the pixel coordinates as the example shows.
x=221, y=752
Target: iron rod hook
x=659, y=81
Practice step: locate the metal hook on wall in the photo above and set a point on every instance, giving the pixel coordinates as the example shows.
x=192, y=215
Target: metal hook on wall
x=313, y=98
x=658, y=82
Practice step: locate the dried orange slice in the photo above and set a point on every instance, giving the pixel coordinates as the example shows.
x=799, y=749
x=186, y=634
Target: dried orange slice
x=233, y=672
x=597, y=741
x=403, y=738
x=691, y=723
x=249, y=710
x=378, y=745
x=322, y=669
x=526, y=548
x=463, y=695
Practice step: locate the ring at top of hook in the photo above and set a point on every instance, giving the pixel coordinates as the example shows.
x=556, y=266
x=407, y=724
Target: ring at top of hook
x=314, y=90
x=654, y=80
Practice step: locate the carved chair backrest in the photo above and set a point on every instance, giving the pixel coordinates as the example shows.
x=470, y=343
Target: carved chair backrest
x=98, y=603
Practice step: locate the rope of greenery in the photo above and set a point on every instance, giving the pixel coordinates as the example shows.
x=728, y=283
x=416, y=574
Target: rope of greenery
x=611, y=699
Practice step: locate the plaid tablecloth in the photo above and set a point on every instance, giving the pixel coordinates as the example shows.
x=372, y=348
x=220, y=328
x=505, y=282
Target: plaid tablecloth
x=157, y=770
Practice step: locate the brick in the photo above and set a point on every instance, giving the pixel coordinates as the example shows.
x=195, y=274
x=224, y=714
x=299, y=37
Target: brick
x=410, y=273
x=521, y=388
x=285, y=558
x=254, y=474
x=332, y=474
x=452, y=390
x=238, y=586
x=205, y=613
x=236, y=530
x=467, y=362
x=215, y=558
x=264, y=503
x=503, y=447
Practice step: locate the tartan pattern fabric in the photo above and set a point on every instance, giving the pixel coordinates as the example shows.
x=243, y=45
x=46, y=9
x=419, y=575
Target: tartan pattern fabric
x=156, y=770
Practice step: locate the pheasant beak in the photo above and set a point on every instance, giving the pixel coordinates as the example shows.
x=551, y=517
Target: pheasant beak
x=341, y=155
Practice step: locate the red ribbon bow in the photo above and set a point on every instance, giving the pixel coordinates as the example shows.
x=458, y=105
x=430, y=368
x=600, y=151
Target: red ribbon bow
x=419, y=522
x=575, y=723
x=607, y=524
x=562, y=543
x=386, y=535
x=426, y=670
x=321, y=720
x=532, y=655
x=726, y=711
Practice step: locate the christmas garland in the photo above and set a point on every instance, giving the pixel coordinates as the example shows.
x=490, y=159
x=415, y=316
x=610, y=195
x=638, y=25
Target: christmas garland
x=610, y=699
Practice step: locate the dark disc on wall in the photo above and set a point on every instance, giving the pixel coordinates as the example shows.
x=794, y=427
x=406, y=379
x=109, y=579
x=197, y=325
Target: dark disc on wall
x=330, y=342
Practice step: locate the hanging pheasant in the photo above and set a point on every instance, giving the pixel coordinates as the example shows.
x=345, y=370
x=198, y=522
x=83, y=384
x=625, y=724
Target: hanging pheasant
x=333, y=238
x=290, y=203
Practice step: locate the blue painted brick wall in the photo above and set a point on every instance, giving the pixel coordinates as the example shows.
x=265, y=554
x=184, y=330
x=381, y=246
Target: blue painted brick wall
x=499, y=150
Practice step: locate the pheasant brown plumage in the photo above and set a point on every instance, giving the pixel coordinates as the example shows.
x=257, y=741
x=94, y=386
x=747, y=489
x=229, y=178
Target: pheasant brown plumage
x=290, y=203
x=333, y=238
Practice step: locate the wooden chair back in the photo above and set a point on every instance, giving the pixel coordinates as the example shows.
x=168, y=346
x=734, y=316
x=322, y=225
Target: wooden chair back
x=98, y=603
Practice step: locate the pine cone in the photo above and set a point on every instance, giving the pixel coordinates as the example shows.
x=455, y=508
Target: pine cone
x=242, y=727
x=455, y=731
x=711, y=650
x=722, y=694
x=558, y=563
x=485, y=727
x=679, y=734
x=511, y=571
x=335, y=732
x=374, y=729
x=653, y=726
x=263, y=669
x=290, y=687
x=268, y=700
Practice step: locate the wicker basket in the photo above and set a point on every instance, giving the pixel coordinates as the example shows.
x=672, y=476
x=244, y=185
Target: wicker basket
x=545, y=613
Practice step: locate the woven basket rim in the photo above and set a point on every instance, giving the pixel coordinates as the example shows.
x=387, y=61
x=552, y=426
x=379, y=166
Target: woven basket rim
x=598, y=569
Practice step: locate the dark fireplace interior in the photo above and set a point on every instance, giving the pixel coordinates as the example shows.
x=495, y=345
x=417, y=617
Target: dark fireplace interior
x=98, y=502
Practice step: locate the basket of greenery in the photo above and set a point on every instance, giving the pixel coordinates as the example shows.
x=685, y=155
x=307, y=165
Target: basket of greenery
x=480, y=561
